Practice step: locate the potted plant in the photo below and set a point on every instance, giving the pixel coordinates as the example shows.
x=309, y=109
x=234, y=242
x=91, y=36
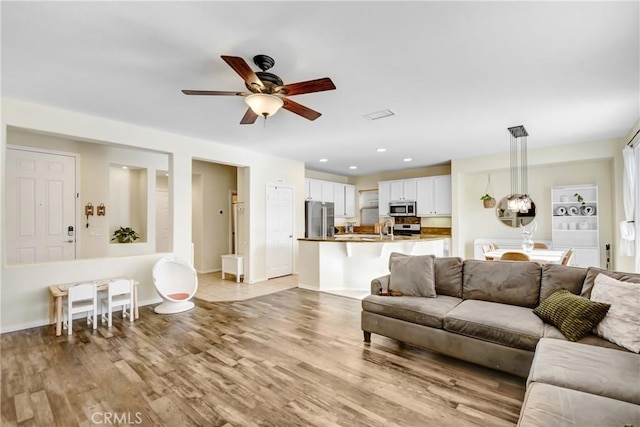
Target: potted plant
x=125, y=235
x=580, y=200
x=488, y=201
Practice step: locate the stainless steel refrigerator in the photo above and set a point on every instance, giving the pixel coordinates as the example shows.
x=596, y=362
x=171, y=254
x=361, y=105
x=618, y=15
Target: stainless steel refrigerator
x=319, y=222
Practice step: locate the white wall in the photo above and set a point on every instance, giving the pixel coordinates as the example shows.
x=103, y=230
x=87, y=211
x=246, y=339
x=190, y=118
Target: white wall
x=26, y=286
x=96, y=161
x=584, y=163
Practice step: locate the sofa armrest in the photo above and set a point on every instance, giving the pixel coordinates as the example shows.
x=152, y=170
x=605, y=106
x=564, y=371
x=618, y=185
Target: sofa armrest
x=379, y=283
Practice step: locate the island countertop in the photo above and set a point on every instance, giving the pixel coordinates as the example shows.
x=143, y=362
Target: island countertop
x=347, y=263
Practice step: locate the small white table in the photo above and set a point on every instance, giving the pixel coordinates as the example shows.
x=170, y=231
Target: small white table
x=60, y=291
x=542, y=256
x=233, y=264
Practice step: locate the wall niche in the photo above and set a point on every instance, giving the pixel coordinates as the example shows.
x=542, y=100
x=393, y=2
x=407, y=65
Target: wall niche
x=128, y=200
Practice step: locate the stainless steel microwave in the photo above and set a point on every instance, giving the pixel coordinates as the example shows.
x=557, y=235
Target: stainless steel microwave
x=402, y=208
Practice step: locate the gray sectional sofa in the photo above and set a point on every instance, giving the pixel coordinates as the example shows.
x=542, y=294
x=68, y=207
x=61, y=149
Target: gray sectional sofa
x=483, y=313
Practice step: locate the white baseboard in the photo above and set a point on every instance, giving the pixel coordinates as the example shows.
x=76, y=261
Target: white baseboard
x=208, y=271
x=40, y=323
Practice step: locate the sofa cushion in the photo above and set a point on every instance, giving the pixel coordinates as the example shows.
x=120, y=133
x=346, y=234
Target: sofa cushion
x=419, y=310
x=621, y=325
x=548, y=405
x=412, y=275
x=503, y=324
x=449, y=276
x=557, y=276
x=574, y=315
x=551, y=331
x=596, y=370
x=515, y=283
x=593, y=272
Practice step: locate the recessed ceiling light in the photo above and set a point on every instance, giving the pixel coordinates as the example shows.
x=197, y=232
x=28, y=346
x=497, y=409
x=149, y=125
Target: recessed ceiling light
x=408, y=159
x=124, y=167
x=323, y=160
x=381, y=150
x=379, y=114
x=353, y=167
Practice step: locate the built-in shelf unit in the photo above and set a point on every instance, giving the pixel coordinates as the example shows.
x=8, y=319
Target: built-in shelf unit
x=575, y=224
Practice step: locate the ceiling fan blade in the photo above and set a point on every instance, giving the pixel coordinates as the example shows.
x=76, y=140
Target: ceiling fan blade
x=309, y=86
x=241, y=67
x=249, y=117
x=213, y=92
x=300, y=109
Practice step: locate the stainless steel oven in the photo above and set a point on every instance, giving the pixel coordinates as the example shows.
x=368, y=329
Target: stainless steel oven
x=404, y=208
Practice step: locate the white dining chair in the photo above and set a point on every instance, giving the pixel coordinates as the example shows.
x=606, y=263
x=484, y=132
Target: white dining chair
x=119, y=294
x=566, y=258
x=82, y=298
x=514, y=256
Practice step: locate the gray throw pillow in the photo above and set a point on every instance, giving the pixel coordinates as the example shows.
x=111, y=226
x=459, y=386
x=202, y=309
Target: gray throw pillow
x=412, y=275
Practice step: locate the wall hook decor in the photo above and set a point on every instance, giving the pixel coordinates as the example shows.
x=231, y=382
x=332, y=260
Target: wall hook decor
x=88, y=211
x=102, y=210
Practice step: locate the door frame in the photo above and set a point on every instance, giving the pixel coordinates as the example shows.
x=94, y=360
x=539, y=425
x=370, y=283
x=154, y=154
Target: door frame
x=293, y=223
x=231, y=237
x=77, y=217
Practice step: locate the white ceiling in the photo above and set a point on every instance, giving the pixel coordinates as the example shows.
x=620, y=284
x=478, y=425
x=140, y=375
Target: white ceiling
x=456, y=74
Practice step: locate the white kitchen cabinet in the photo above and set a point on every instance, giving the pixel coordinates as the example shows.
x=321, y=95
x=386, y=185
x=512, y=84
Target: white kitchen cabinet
x=344, y=197
x=313, y=189
x=317, y=189
x=434, y=196
x=575, y=223
x=384, y=197
x=327, y=191
x=350, y=200
x=404, y=189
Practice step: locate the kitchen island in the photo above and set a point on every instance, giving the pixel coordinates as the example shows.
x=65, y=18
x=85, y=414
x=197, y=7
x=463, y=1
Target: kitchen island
x=346, y=264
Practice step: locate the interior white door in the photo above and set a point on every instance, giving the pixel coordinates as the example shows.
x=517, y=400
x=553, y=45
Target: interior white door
x=41, y=207
x=279, y=244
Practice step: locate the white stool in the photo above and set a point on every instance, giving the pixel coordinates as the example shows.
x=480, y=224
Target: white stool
x=233, y=264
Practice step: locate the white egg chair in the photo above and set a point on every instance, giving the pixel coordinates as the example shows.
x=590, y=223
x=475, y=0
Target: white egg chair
x=177, y=282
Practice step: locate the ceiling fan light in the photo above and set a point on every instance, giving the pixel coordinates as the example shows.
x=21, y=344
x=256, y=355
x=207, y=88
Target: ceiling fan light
x=263, y=104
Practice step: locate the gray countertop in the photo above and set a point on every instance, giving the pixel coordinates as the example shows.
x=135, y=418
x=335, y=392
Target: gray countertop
x=374, y=238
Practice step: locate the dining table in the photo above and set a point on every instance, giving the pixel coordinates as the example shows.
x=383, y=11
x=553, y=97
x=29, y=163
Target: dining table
x=58, y=292
x=542, y=256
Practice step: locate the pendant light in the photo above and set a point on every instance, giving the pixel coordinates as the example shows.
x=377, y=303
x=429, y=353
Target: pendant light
x=518, y=200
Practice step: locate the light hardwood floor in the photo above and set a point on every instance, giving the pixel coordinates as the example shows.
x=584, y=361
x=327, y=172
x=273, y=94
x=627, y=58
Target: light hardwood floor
x=212, y=288
x=292, y=358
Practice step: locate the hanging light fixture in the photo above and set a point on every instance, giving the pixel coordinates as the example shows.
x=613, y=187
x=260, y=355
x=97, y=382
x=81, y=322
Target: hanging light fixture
x=264, y=104
x=519, y=200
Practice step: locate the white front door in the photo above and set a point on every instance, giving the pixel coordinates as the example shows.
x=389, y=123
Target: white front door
x=41, y=207
x=279, y=225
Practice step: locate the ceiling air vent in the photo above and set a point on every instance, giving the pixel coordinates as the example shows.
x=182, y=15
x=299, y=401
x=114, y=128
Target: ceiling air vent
x=379, y=114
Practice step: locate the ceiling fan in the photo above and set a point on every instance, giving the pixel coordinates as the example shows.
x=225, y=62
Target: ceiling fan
x=267, y=92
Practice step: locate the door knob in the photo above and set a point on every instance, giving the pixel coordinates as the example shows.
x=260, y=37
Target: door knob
x=69, y=241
